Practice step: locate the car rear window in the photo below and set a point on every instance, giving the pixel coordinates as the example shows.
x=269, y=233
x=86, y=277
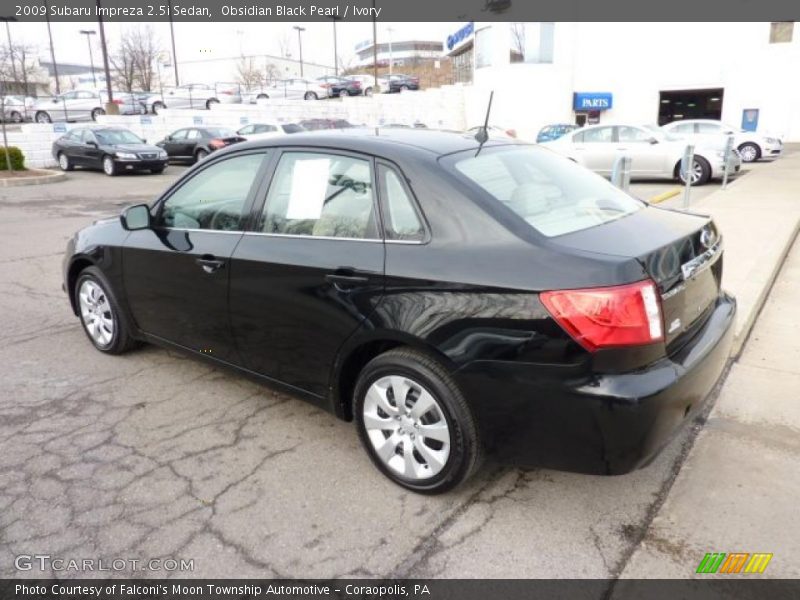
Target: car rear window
x=551, y=193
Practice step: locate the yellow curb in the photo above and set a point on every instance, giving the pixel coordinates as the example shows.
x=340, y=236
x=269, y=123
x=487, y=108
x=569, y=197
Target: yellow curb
x=665, y=196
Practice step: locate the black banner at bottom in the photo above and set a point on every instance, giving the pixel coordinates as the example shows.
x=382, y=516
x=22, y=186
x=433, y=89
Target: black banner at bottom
x=408, y=589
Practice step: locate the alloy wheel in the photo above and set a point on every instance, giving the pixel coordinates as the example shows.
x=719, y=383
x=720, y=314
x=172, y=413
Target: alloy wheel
x=748, y=153
x=43, y=117
x=96, y=313
x=63, y=161
x=407, y=428
x=108, y=165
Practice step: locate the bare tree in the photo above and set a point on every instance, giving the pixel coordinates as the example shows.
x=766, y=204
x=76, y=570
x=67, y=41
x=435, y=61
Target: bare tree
x=284, y=44
x=271, y=72
x=517, y=42
x=134, y=59
x=248, y=73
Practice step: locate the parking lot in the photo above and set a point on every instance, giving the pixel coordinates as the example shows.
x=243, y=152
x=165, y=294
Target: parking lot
x=156, y=455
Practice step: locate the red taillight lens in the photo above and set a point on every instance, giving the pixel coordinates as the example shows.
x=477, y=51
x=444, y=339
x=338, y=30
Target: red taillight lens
x=356, y=84
x=217, y=143
x=511, y=133
x=624, y=315
x=117, y=101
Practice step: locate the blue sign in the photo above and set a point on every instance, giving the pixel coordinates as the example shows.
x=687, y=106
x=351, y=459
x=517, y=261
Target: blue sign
x=243, y=120
x=197, y=120
x=460, y=35
x=750, y=119
x=60, y=127
x=592, y=101
x=145, y=120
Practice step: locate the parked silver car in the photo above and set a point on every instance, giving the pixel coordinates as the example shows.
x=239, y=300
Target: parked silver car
x=190, y=95
x=751, y=144
x=298, y=88
x=654, y=154
x=16, y=109
x=82, y=105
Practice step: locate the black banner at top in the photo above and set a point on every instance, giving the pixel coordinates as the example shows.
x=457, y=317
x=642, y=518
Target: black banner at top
x=402, y=10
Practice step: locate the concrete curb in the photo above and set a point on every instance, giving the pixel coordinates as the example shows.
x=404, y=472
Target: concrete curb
x=750, y=318
x=45, y=177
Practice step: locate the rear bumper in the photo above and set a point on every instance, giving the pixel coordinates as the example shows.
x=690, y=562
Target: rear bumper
x=602, y=423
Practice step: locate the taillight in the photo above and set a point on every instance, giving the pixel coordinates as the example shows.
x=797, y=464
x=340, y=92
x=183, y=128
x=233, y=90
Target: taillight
x=624, y=315
x=117, y=101
x=511, y=133
x=356, y=84
x=217, y=143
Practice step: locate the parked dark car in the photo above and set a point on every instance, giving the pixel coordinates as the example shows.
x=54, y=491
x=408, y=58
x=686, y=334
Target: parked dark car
x=317, y=124
x=195, y=143
x=112, y=149
x=451, y=299
x=398, y=83
x=340, y=87
x=548, y=133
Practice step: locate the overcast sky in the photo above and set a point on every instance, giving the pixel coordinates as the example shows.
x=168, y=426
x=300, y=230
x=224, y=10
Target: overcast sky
x=220, y=40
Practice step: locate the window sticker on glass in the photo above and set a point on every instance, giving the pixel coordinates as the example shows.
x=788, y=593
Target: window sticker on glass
x=309, y=186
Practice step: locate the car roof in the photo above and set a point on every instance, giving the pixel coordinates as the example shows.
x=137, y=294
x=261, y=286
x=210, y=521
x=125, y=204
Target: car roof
x=379, y=141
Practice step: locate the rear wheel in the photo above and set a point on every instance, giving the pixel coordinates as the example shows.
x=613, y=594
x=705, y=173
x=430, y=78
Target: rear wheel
x=749, y=152
x=64, y=162
x=15, y=117
x=157, y=106
x=343, y=94
x=43, y=117
x=701, y=171
x=310, y=96
x=262, y=97
x=414, y=422
x=200, y=155
x=96, y=113
x=404, y=88
x=101, y=317
x=211, y=101
x=109, y=166
x=368, y=91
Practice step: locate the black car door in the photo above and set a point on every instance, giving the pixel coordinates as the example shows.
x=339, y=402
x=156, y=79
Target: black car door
x=176, y=273
x=172, y=144
x=93, y=154
x=72, y=146
x=311, y=269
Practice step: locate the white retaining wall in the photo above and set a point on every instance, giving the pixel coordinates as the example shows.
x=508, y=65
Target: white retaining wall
x=439, y=108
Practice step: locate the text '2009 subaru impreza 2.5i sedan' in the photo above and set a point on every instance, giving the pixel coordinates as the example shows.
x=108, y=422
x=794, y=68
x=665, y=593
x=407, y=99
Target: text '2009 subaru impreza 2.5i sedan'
x=452, y=299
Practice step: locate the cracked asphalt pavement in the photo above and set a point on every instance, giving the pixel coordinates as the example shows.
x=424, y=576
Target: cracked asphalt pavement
x=154, y=454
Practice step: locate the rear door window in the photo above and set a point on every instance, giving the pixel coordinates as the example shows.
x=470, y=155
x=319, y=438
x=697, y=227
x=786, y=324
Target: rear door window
x=400, y=218
x=552, y=194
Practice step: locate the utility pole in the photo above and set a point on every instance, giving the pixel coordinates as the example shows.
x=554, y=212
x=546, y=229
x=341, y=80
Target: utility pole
x=111, y=108
x=89, y=33
x=335, y=49
x=391, y=58
x=52, y=50
x=172, y=36
x=11, y=49
x=300, y=31
x=376, y=87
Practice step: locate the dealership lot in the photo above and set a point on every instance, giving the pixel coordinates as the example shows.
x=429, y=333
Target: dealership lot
x=155, y=455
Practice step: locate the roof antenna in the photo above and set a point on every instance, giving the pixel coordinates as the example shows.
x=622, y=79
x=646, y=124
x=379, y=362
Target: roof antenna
x=483, y=132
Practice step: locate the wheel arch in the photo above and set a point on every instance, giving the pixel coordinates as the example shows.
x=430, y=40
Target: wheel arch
x=78, y=264
x=356, y=353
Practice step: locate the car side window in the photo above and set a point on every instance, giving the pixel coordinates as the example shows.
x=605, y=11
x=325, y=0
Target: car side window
x=321, y=195
x=179, y=135
x=87, y=136
x=192, y=134
x=684, y=128
x=708, y=128
x=214, y=198
x=400, y=218
x=578, y=137
x=633, y=134
x=601, y=134
x=247, y=129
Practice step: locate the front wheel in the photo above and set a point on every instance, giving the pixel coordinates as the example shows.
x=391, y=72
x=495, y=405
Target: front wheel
x=109, y=166
x=211, y=101
x=64, y=162
x=157, y=106
x=368, y=91
x=310, y=96
x=96, y=113
x=43, y=117
x=415, y=423
x=343, y=94
x=16, y=117
x=749, y=152
x=101, y=317
x=200, y=155
x=701, y=171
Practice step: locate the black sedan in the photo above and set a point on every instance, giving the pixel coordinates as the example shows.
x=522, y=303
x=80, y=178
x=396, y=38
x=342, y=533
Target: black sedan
x=452, y=299
x=400, y=83
x=195, y=143
x=340, y=86
x=112, y=149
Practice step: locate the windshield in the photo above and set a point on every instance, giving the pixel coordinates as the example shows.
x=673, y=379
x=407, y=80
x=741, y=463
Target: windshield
x=553, y=194
x=112, y=137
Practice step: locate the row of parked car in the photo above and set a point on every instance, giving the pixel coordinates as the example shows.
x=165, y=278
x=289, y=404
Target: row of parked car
x=87, y=105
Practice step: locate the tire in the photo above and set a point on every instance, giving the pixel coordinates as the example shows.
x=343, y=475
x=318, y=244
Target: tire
x=158, y=170
x=404, y=88
x=64, y=162
x=15, y=117
x=262, y=97
x=157, y=106
x=368, y=92
x=310, y=96
x=343, y=94
x=701, y=169
x=200, y=155
x=96, y=113
x=97, y=307
x=749, y=152
x=437, y=463
x=43, y=117
x=211, y=101
x=109, y=167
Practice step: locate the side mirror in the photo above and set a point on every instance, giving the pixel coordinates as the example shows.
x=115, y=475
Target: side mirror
x=653, y=140
x=92, y=144
x=144, y=140
x=135, y=217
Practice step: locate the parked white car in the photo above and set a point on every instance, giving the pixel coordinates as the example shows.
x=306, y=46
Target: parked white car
x=190, y=95
x=305, y=89
x=16, y=109
x=654, y=154
x=751, y=144
x=367, y=83
x=82, y=105
x=262, y=130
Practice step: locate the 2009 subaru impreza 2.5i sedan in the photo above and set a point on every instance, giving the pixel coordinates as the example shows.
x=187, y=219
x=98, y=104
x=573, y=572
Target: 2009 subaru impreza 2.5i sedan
x=452, y=300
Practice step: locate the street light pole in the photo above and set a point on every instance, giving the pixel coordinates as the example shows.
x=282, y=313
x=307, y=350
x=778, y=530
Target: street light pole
x=391, y=58
x=52, y=50
x=89, y=33
x=300, y=31
x=11, y=48
x=111, y=108
x=335, y=49
x=172, y=36
x=376, y=87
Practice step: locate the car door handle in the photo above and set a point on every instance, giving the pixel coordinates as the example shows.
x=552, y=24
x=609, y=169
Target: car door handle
x=346, y=278
x=210, y=263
